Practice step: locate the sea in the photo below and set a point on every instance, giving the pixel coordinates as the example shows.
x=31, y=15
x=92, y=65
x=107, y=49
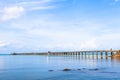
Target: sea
x=64, y=67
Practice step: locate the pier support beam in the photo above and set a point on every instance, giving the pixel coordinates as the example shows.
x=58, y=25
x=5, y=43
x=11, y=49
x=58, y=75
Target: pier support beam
x=101, y=53
x=92, y=55
x=88, y=55
x=111, y=53
x=106, y=53
x=96, y=54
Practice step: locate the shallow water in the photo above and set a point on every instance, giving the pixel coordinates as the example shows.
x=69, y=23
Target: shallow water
x=21, y=67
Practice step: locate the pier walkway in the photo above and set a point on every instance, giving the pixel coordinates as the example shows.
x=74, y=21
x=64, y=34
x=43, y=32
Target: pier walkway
x=102, y=53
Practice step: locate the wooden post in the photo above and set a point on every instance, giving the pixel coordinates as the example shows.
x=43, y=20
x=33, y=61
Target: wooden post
x=72, y=53
x=64, y=53
x=96, y=54
x=106, y=53
x=101, y=53
x=85, y=54
x=111, y=53
x=79, y=54
x=93, y=54
x=82, y=54
x=76, y=53
x=88, y=55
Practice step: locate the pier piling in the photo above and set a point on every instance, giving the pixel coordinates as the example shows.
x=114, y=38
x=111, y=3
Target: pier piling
x=102, y=53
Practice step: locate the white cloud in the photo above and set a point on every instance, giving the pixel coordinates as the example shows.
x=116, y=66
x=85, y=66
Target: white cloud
x=42, y=8
x=2, y=44
x=16, y=10
x=116, y=0
x=47, y=32
x=90, y=44
x=12, y=12
x=58, y=35
x=35, y=2
x=37, y=5
x=109, y=40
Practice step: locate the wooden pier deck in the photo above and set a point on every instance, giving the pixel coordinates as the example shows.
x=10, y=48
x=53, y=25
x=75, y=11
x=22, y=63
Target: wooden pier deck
x=102, y=53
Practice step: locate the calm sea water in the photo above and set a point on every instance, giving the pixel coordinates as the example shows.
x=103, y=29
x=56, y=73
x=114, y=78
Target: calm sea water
x=37, y=68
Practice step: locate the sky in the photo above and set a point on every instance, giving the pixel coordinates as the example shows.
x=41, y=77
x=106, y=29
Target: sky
x=59, y=25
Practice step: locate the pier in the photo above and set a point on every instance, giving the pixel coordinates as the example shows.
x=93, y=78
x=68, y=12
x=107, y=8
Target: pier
x=101, y=53
x=93, y=53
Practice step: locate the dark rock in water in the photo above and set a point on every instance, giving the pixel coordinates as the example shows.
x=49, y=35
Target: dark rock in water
x=78, y=69
x=66, y=69
x=94, y=69
x=109, y=72
x=83, y=68
x=50, y=70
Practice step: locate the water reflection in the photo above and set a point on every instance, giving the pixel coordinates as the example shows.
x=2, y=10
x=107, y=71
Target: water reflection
x=83, y=61
x=116, y=59
x=85, y=57
x=36, y=67
x=1, y=63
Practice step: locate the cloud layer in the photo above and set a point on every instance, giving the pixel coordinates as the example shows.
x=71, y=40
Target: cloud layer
x=1, y=44
x=42, y=25
x=12, y=13
x=16, y=10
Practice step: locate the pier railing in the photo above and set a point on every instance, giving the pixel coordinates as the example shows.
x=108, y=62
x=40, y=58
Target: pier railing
x=101, y=53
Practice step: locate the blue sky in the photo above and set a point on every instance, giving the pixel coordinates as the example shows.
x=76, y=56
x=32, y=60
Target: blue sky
x=59, y=25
